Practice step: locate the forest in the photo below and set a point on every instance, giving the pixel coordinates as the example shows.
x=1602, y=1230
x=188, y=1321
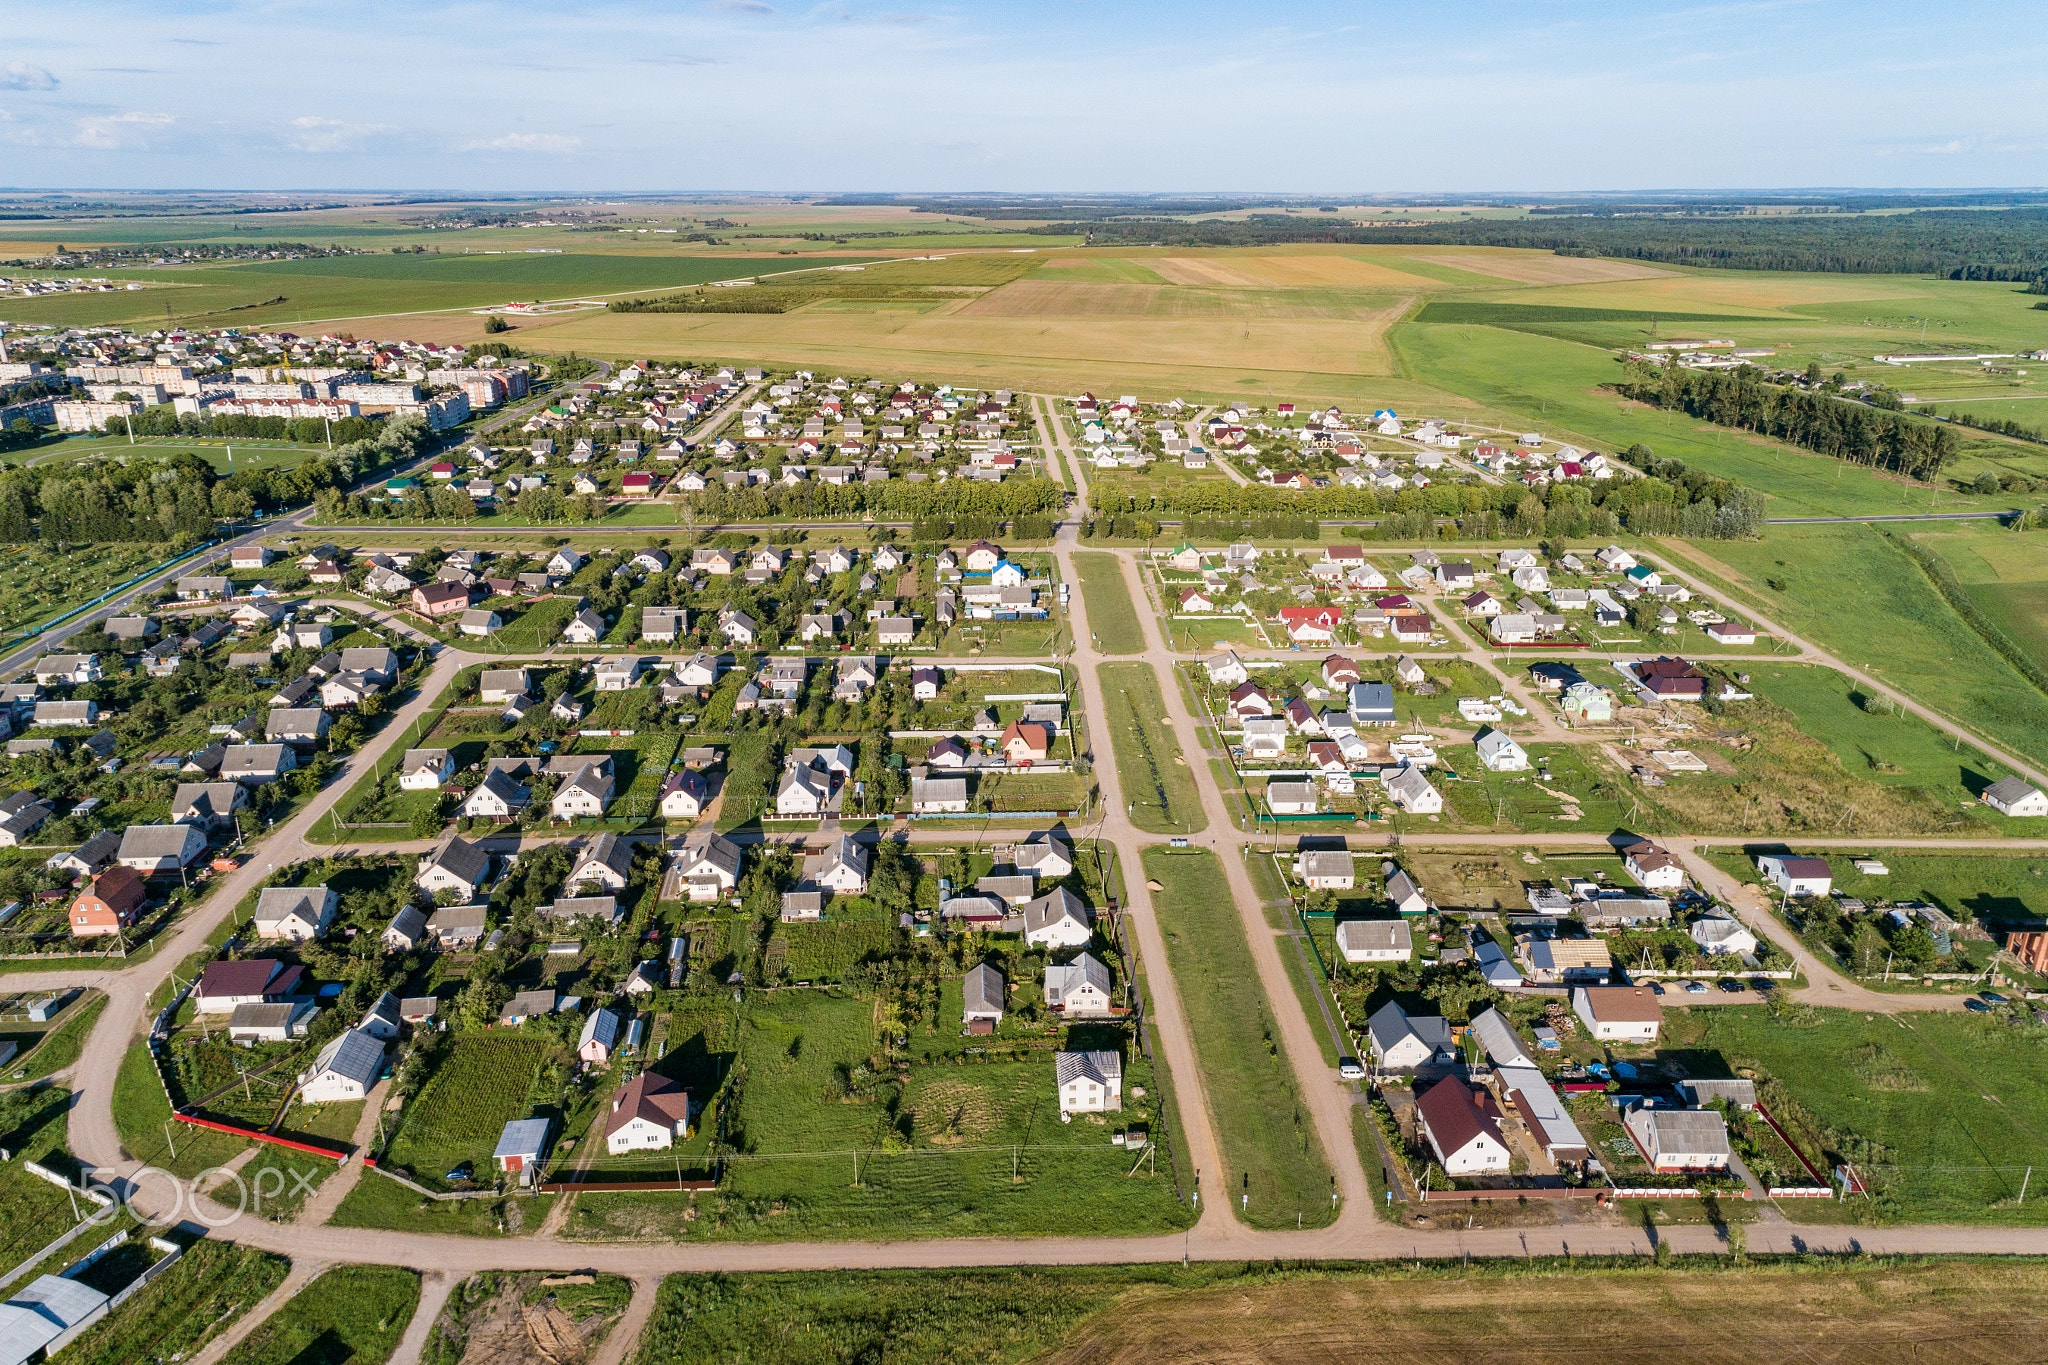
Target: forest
x=1961, y=244
x=1847, y=430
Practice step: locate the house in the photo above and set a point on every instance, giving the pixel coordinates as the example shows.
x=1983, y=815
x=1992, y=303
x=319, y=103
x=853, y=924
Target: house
x=458, y=927
x=2013, y=796
x=938, y=795
x=521, y=1146
x=203, y=588
x=382, y=1018
x=804, y=791
x=295, y=913
x=1731, y=633
x=66, y=713
x=21, y=815
x=1721, y=934
x=683, y=795
x=1412, y=793
x=208, y=804
x=1088, y=1082
x=279, y=1023
x=981, y=557
x=1668, y=679
x=1375, y=940
x=842, y=868
x=497, y=797
x=227, y=983
x=158, y=849
x=1498, y=1039
x=1679, y=1139
x=419, y=1009
x=407, y=930
x=1796, y=876
x=1291, y=798
x=1462, y=1122
x=1371, y=703
x=1024, y=743
x=112, y=902
x=435, y=600
x=1322, y=868
x=300, y=726
x=425, y=769
x=502, y=684
x=1226, y=669
x=1058, y=919
x=663, y=624
x=586, y=627
x=1454, y=576
x=600, y=1035
x=606, y=861
x=1553, y=960
x=738, y=627
x=250, y=557
x=1403, y=891
x=1403, y=1042
x=648, y=1113
x=709, y=866
x=89, y=858
x=982, y=993
x=527, y=1005
x=344, y=1070
x=1079, y=989
x=1628, y=1014
x=1542, y=1111
x=1046, y=855
x=618, y=675
x=1501, y=754
x=458, y=866
x=1653, y=867
x=586, y=792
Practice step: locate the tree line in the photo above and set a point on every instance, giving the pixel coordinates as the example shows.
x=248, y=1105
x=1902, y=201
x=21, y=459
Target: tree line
x=2007, y=244
x=1895, y=441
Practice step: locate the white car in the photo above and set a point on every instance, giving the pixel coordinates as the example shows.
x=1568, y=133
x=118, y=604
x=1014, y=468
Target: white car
x=1349, y=1069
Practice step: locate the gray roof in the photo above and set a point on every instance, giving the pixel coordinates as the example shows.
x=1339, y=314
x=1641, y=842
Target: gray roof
x=252, y=759
x=1701, y=1092
x=1375, y=935
x=409, y=923
x=461, y=859
x=601, y=907
x=1497, y=1036
x=1101, y=1067
x=309, y=903
x=1056, y=905
x=354, y=1054
x=528, y=1004
x=602, y=1027
x=155, y=841
x=1085, y=970
x=2009, y=790
x=522, y=1137
x=1685, y=1130
x=252, y=1014
x=983, y=991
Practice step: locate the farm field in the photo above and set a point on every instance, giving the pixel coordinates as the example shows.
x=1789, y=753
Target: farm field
x=1937, y=1110
x=267, y=292
x=1112, y=617
x=1851, y=590
x=353, y=1313
x=480, y=1083
x=1260, y=1121
x=2006, y=575
x=1153, y=772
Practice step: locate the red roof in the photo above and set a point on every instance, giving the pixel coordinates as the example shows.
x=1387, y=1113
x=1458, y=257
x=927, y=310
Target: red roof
x=248, y=976
x=1456, y=1112
x=1315, y=616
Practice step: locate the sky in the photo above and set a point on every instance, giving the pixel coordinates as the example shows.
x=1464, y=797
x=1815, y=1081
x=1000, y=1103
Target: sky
x=768, y=95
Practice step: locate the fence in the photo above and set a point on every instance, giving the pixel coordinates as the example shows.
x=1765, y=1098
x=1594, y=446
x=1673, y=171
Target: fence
x=258, y=1135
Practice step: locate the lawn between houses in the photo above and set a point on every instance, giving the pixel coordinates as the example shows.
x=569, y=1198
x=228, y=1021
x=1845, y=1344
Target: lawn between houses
x=1112, y=617
x=352, y=1315
x=1265, y=1130
x=1154, y=774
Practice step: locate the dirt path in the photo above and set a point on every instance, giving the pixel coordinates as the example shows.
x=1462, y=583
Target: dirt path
x=435, y=1287
x=321, y=1204
x=625, y=1334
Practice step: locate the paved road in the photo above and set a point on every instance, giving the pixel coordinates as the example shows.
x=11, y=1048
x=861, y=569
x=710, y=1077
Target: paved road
x=1895, y=516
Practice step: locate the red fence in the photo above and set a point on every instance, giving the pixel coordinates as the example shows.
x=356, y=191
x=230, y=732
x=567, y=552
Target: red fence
x=258, y=1135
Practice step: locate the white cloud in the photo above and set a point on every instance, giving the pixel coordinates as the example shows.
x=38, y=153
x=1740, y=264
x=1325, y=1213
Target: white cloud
x=23, y=76
x=744, y=6
x=311, y=133
x=550, y=143
x=114, y=132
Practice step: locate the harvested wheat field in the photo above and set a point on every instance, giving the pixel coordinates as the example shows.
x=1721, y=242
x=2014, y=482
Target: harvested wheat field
x=1529, y=267
x=1061, y=298
x=1300, y=271
x=1948, y=1311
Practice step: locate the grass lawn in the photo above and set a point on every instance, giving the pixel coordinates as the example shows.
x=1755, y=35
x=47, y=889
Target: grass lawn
x=1112, y=617
x=209, y=1288
x=953, y=1143
x=40, y=582
x=1261, y=1122
x=58, y=1046
x=379, y=1203
x=1942, y=1113
x=352, y=1315
x=1150, y=768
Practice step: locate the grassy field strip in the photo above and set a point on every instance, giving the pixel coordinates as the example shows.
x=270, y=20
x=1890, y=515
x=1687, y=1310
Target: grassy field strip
x=1112, y=617
x=1157, y=784
x=1297, y=956
x=1265, y=1127
x=353, y=1313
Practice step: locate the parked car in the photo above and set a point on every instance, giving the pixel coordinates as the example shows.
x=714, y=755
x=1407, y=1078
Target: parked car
x=1695, y=988
x=1349, y=1069
x=1973, y=1003
x=1732, y=986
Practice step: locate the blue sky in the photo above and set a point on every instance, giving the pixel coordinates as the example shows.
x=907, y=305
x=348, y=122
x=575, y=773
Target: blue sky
x=769, y=95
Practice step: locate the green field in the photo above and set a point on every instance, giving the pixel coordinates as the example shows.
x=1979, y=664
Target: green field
x=1263, y=1127
x=352, y=1315
x=1941, y=1112
x=262, y=293
x=1157, y=783
x=1851, y=590
x=1112, y=619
